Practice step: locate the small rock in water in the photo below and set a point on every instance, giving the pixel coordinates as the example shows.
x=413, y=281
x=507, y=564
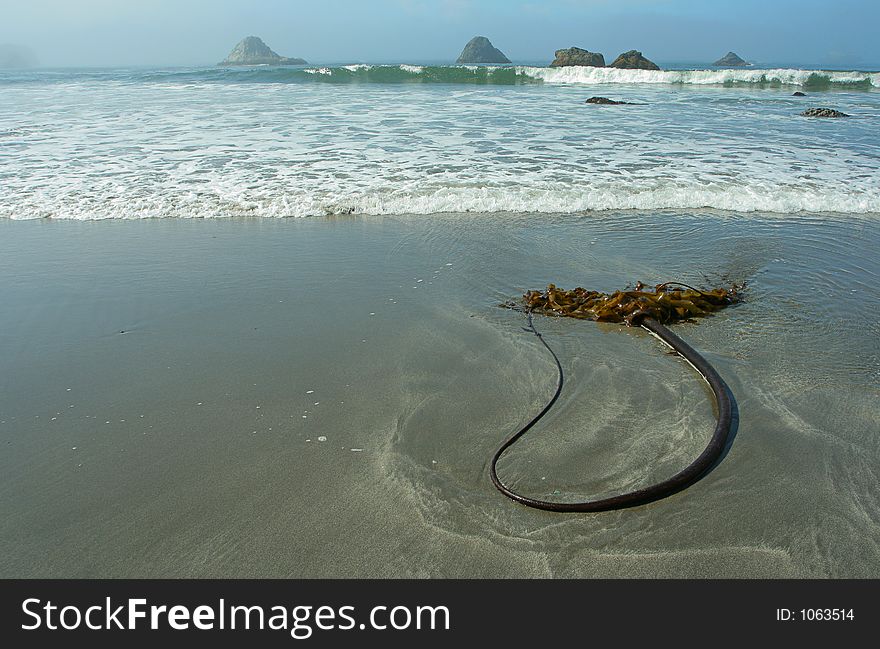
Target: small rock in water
x=799, y=94
x=604, y=101
x=823, y=112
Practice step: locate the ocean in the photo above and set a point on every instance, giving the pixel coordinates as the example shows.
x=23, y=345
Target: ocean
x=408, y=139
x=192, y=385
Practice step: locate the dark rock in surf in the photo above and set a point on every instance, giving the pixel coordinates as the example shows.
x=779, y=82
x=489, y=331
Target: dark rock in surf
x=604, y=101
x=577, y=56
x=253, y=51
x=823, y=112
x=799, y=94
x=633, y=60
x=480, y=50
x=730, y=60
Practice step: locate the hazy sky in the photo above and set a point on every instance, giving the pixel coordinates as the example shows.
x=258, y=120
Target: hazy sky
x=182, y=32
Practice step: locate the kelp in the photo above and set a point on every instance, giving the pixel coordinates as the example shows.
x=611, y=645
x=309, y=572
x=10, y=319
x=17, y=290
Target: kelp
x=666, y=303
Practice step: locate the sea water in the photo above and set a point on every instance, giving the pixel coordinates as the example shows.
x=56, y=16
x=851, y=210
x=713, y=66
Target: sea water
x=404, y=139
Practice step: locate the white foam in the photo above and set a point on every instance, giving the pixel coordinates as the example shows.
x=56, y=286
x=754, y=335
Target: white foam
x=519, y=199
x=784, y=76
x=309, y=149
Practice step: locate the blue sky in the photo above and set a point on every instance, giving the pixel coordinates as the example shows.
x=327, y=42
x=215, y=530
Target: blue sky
x=171, y=32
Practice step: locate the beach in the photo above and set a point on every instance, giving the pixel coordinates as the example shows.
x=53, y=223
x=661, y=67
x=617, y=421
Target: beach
x=320, y=397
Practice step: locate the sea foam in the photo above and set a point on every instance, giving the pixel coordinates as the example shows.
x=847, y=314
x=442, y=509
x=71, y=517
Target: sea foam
x=723, y=77
x=220, y=144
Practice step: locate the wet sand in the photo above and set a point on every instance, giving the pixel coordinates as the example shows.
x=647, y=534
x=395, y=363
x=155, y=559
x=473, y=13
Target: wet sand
x=320, y=397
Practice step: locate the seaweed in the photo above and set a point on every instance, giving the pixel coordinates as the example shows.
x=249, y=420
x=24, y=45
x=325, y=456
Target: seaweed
x=666, y=303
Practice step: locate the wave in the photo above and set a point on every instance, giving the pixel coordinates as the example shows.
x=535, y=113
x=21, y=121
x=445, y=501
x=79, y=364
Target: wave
x=470, y=74
x=456, y=74
x=808, y=79
x=442, y=200
x=511, y=75
x=514, y=75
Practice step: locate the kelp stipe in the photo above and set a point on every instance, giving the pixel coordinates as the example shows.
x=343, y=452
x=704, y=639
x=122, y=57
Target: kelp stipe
x=647, y=309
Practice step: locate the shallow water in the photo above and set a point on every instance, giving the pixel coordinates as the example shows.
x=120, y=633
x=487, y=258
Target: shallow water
x=189, y=444
x=282, y=142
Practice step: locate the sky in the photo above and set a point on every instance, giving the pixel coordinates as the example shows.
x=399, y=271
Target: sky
x=192, y=32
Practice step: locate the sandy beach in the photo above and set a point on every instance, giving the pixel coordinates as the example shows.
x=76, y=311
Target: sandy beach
x=320, y=398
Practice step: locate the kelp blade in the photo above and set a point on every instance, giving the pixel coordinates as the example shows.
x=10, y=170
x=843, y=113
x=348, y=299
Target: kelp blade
x=666, y=303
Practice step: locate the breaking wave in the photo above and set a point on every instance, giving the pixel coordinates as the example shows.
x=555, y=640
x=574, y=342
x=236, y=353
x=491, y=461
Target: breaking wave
x=510, y=75
x=474, y=74
x=808, y=79
x=440, y=200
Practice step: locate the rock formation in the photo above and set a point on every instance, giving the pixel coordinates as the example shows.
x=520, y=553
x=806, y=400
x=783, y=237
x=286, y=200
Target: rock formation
x=481, y=50
x=577, y=56
x=604, y=101
x=823, y=112
x=730, y=60
x=799, y=94
x=633, y=60
x=253, y=51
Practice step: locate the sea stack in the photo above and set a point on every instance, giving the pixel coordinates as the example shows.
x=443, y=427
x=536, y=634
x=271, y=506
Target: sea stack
x=577, y=56
x=253, y=51
x=481, y=50
x=633, y=60
x=730, y=60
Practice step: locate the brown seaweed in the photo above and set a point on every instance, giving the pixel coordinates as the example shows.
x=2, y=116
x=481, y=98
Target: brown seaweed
x=666, y=303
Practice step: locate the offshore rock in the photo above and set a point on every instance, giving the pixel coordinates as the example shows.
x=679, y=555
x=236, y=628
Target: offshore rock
x=253, y=51
x=823, y=112
x=730, y=60
x=604, y=101
x=633, y=60
x=480, y=50
x=577, y=56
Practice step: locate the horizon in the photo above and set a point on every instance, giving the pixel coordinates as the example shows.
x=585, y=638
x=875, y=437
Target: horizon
x=101, y=34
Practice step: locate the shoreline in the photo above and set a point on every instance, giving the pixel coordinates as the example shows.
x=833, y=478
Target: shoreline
x=251, y=324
